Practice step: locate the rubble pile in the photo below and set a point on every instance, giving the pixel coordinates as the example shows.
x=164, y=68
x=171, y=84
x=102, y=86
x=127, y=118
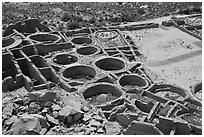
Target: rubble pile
x=189, y=24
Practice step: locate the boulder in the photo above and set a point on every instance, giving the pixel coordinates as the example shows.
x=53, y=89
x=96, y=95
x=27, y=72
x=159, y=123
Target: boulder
x=11, y=120
x=8, y=109
x=87, y=117
x=55, y=114
x=142, y=128
x=112, y=128
x=94, y=123
x=34, y=96
x=51, y=120
x=68, y=110
x=48, y=96
x=26, y=124
x=33, y=107
x=42, y=120
x=56, y=107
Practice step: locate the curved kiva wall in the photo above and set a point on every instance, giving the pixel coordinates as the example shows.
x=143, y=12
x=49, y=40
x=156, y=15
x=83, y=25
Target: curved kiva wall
x=7, y=42
x=144, y=107
x=106, y=35
x=64, y=59
x=10, y=42
x=193, y=118
x=97, y=89
x=26, y=26
x=78, y=72
x=142, y=128
x=197, y=91
x=82, y=40
x=110, y=64
x=130, y=80
x=179, y=93
x=44, y=37
x=38, y=61
x=88, y=50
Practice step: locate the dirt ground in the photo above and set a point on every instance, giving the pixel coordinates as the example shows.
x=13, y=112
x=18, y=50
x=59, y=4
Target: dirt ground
x=172, y=54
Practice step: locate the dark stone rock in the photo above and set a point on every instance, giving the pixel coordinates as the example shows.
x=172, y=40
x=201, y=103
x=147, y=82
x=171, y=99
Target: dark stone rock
x=77, y=116
x=48, y=96
x=34, y=96
x=69, y=120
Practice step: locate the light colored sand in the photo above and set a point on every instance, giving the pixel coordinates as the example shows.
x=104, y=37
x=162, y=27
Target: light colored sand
x=172, y=54
x=184, y=73
x=156, y=20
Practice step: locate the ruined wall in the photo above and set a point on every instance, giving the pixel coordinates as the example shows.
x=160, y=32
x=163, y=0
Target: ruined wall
x=105, y=68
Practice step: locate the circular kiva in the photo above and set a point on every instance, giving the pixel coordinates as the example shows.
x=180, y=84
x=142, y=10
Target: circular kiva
x=88, y=50
x=82, y=40
x=144, y=107
x=130, y=80
x=192, y=118
x=64, y=59
x=106, y=35
x=10, y=43
x=197, y=91
x=98, y=89
x=44, y=37
x=170, y=92
x=110, y=64
x=78, y=73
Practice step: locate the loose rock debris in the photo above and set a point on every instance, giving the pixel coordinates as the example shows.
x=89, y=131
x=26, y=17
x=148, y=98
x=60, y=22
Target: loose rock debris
x=93, y=83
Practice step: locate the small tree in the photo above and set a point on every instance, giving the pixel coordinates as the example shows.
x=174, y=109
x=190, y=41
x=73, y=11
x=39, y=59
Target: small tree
x=100, y=19
x=72, y=25
x=66, y=17
x=197, y=9
x=92, y=20
x=77, y=18
x=141, y=11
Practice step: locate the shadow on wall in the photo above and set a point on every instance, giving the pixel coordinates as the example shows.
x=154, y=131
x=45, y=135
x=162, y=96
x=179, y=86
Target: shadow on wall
x=175, y=59
x=11, y=77
x=26, y=26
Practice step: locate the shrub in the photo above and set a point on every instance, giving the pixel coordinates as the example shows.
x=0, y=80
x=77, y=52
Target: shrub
x=92, y=20
x=197, y=9
x=66, y=17
x=166, y=14
x=77, y=18
x=73, y=25
x=141, y=11
x=100, y=19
